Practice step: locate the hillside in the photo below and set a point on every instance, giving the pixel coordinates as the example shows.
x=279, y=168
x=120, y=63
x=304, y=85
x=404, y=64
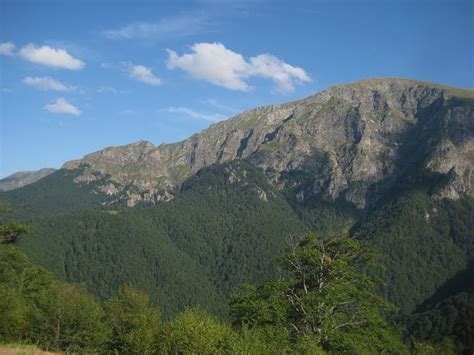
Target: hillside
x=350, y=141
x=23, y=178
x=388, y=161
x=224, y=229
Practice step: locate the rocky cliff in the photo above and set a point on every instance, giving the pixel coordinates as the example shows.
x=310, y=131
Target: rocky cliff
x=352, y=142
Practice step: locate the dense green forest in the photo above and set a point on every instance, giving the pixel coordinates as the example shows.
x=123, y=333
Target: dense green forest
x=191, y=251
x=324, y=305
x=226, y=227
x=57, y=193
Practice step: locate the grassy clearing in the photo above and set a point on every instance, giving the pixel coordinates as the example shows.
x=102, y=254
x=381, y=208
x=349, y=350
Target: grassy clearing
x=21, y=349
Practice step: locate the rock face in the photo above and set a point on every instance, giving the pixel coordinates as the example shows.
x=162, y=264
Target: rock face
x=23, y=178
x=351, y=141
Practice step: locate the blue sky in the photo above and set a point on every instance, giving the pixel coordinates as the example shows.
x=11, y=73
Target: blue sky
x=77, y=76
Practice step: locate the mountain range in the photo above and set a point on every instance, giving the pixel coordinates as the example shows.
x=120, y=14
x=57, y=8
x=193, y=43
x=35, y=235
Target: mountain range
x=389, y=161
x=352, y=141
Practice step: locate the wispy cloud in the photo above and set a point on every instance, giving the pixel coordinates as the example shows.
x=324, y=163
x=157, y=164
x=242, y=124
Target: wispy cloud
x=216, y=104
x=108, y=65
x=110, y=90
x=51, y=57
x=212, y=117
x=62, y=106
x=144, y=74
x=7, y=48
x=140, y=73
x=178, y=26
x=128, y=112
x=216, y=64
x=46, y=83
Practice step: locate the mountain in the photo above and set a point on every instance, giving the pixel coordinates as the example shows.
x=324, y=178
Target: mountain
x=352, y=142
x=388, y=161
x=23, y=178
x=222, y=230
x=55, y=193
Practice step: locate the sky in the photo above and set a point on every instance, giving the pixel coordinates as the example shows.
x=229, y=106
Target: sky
x=78, y=76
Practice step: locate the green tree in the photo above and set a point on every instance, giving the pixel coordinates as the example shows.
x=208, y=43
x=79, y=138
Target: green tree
x=445, y=347
x=9, y=232
x=135, y=327
x=197, y=332
x=73, y=321
x=23, y=290
x=327, y=297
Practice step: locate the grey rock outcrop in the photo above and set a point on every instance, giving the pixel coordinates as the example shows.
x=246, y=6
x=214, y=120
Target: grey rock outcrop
x=350, y=141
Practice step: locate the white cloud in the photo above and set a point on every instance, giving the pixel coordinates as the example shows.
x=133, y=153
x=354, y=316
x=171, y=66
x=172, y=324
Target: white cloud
x=215, y=63
x=7, y=48
x=62, y=106
x=52, y=57
x=144, y=74
x=284, y=75
x=178, y=26
x=194, y=114
x=45, y=83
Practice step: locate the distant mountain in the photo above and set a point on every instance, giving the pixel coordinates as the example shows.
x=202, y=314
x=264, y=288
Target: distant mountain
x=23, y=178
x=351, y=141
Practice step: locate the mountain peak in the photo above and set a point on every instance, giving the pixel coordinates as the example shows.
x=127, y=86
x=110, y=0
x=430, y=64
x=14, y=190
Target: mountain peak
x=143, y=143
x=399, y=83
x=351, y=141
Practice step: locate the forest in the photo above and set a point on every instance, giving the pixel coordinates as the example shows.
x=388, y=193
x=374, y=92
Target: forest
x=324, y=305
x=210, y=257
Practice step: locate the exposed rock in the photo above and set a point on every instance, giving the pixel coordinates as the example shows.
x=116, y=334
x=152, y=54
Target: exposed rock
x=351, y=141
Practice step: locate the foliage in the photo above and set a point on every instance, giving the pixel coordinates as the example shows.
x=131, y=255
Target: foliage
x=422, y=243
x=35, y=308
x=5, y=208
x=54, y=193
x=326, y=298
x=224, y=228
x=134, y=326
x=445, y=347
x=268, y=339
x=264, y=306
x=452, y=317
x=72, y=320
x=107, y=251
x=9, y=232
x=194, y=250
x=292, y=316
x=315, y=212
x=197, y=332
x=23, y=292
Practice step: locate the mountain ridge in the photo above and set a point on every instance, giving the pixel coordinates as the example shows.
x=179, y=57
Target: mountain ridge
x=351, y=138
x=23, y=178
x=386, y=162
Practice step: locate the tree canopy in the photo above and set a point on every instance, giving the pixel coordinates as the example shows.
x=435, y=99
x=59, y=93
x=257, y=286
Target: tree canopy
x=327, y=297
